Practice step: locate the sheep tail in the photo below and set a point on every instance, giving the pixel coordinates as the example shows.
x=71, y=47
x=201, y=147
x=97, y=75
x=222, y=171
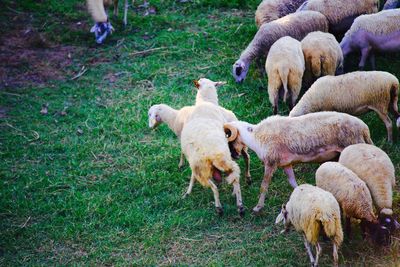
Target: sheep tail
x=316, y=65
x=394, y=91
x=333, y=229
x=96, y=9
x=284, y=74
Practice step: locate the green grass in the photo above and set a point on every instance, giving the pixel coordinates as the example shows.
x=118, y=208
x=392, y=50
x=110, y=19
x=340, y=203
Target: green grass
x=112, y=195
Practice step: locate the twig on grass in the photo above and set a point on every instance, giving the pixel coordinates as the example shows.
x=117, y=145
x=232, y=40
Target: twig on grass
x=147, y=51
x=80, y=73
x=26, y=222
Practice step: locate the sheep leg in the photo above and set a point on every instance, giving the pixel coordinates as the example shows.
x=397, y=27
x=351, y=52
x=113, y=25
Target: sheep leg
x=246, y=157
x=348, y=227
x=126, y=13
x=181, y=161
x=309, y=252
x=364, y=57
x=387, y=121
x=218, y=206
x=276, y=101
x=116, y=8
x=268, y=171
x=191, y=183
x=335, y=255
x=372, y=61
x=290, y=174
x=318, y=250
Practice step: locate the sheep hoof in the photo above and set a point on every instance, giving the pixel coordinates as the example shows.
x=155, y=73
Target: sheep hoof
x=241, y=211
x=249, y=181
x=257, y=210
x=185, y=195
x=219, y=211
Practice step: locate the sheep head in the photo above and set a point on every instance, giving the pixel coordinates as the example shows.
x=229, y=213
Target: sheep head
x=235, y=143
x=379, y=233
x=101, y=30
x=154, y=116
x=204, y=83
x=388, y=221
x=283, y=217
x=239, y=70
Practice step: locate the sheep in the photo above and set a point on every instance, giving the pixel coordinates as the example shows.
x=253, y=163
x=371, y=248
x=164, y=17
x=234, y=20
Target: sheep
x=175, y=119
x=369, y=33
x=103, y=27
x=296, y=25
x=391, y=4
x=322, y=54
x=341, y=13
x=354, y=198
x=285, y=67
x=309, y=209
x=354, y=93
x=284, y=141
x=269, y=10
x=374, y=167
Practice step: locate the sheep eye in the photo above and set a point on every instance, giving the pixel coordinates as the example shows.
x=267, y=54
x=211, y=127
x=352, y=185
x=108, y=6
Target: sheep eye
x=250, y=129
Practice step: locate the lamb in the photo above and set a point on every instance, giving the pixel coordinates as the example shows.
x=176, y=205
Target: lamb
x=285, y=67
x=374, y=167
x=175, y=119
x=322, y=54
x=309, y=209
x=269, y=10
x=354, y=93
x=103, y=27
x=378, y=32
x=341, y=13
x=391, y=4
x=284, y=141
x=354, y=198
x=296, y=25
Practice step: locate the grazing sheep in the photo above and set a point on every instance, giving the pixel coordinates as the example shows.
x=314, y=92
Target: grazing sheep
x=284, y=141
x=391, y=4
x=285, y=68
x=354, y=93
x=310, y=210
x=374, y=167
x=341, y=13
x=175, y=120
x=103, y=27
x=322, y=54
x=269, y=10
x=370, y=33
x=354, y=198
x=205, y=146
x=296, y=25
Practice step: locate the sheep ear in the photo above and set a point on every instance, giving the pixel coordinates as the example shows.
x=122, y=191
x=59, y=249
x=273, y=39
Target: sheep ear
x=93, y=29
x=217, y=84
x=280, y=218
x=196, y=83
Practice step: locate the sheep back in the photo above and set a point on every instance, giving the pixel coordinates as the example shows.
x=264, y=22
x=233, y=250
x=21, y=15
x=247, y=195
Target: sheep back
x=374, y=167
x=309, y=207
x=348, y=93
x=269, y=10
x=350, y=191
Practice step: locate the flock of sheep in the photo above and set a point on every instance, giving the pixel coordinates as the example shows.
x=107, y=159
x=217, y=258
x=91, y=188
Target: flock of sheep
x=293, y=36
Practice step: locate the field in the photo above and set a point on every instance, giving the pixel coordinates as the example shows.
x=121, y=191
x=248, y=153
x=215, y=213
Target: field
x=83, y=181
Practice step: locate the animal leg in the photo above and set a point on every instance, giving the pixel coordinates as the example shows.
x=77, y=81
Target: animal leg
x=191, y=183
x=290, y=174
x=126, y=13
x=246, y=157
x=181, y=161
x=348, y=227
x=268, y=171
x=364, y=57
x=372, y=60
x=387, y=121
x=318, y=250
x=115, y=8
x=335, y=255
x=276, y=101
x=309, y=252
x=218, y=206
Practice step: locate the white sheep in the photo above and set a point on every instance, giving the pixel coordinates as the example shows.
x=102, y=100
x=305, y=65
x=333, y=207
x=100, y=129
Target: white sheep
x=354, y=198
x=285, y=67
x=322, y=54
x=284, y=141
x=269, y=10
x=103, y=27
x=312, y=211
x=374, y=167
x=296, y=25
x=341, y=13
x=354, y=93
x=375, y=32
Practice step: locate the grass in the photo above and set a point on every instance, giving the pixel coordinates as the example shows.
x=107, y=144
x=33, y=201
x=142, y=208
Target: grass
x=97, y=187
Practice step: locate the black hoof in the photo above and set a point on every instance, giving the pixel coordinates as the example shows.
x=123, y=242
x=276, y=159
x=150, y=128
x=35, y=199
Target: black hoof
x=219, y=211
x=249, y=181
x=241, y=211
